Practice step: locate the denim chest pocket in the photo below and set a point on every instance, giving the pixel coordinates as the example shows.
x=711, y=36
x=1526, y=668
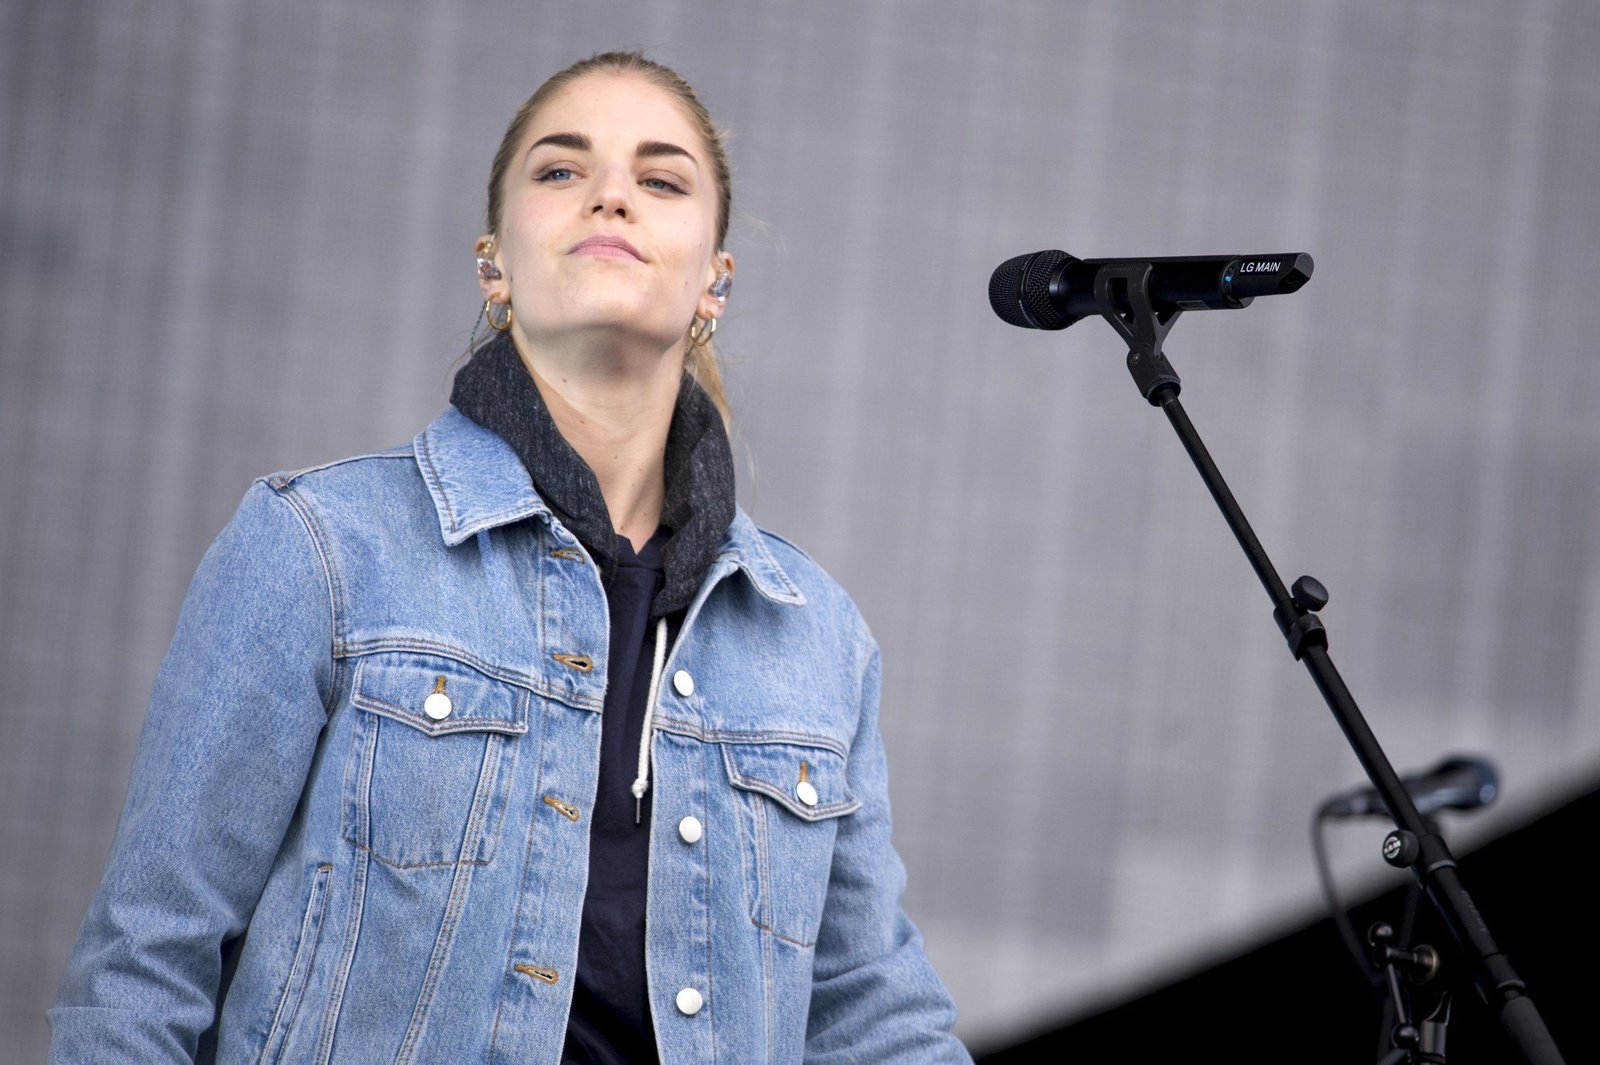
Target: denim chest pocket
x=434, y=743
x=794, y=798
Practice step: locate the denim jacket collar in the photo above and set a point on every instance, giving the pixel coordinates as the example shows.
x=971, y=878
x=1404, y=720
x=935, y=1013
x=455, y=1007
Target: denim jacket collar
x=478, y=483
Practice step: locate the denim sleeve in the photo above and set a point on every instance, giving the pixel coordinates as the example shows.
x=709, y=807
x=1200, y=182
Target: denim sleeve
x=874, y=995
x=227, y=744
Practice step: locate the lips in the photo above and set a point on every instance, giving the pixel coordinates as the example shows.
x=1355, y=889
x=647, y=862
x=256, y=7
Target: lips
x=605, y=247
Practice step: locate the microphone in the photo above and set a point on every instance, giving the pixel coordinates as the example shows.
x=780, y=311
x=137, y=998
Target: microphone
x=1051, y=289
x=1459, y=782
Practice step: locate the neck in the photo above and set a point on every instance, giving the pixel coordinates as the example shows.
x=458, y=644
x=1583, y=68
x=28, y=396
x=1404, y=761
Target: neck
x=614, y=408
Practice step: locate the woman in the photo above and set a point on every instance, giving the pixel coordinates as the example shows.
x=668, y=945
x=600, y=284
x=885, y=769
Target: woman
x=522, y=743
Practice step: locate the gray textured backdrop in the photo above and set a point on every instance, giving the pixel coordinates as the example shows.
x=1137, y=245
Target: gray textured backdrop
x=237, y=237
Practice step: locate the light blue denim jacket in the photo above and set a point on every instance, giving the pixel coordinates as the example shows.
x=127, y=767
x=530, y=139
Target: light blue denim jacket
x=411, y=874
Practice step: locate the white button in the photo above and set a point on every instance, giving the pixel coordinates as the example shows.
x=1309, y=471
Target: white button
x=689, y=828
x=683, y=683
x=807, y=792
x=689, y=1002
x=437, y=706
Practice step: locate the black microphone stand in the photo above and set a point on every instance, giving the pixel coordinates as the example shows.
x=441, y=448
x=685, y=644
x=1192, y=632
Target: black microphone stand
x=1413, y=844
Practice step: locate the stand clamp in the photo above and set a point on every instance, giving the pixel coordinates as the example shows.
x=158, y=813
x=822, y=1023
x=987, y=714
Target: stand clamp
x=1422, y=1043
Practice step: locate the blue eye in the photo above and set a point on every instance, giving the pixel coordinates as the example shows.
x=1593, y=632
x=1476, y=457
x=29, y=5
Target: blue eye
x=661, y=185
x=555, y=174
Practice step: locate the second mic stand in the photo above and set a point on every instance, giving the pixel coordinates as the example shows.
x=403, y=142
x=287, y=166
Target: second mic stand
x=1423, y=851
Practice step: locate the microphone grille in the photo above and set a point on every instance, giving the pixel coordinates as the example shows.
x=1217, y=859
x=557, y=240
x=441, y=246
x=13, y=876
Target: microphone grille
x=1019, y=290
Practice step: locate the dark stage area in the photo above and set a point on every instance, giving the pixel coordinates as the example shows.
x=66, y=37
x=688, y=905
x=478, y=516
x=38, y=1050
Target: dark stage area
x=1301, y=998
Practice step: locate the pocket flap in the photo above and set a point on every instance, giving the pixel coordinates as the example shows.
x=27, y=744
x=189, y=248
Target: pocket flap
x=399, y=686
x=778, y=770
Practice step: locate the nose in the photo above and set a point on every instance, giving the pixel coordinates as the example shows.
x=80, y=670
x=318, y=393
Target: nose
x=613, y=194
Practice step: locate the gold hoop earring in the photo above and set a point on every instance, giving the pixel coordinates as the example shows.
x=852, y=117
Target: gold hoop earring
x=701, y=330
x=502, y=324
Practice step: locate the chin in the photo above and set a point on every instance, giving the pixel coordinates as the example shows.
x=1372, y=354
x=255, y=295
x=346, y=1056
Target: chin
x=630, y=325
x=631, y=307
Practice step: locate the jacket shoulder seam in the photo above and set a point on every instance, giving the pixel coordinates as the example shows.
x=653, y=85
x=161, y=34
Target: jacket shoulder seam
x=284, y=478
x=319, y=543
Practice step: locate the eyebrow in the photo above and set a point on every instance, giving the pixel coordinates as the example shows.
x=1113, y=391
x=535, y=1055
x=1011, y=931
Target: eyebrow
x=580, y=142
x=648, y=148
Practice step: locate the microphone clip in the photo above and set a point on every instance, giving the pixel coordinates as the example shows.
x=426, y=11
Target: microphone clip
x=1144, y=328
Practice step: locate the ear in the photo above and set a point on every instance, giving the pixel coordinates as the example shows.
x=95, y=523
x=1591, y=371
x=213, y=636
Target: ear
x=721, y=268
x=491, y=282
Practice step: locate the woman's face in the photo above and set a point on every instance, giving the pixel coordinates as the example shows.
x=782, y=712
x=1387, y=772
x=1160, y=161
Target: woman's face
x=609, y=220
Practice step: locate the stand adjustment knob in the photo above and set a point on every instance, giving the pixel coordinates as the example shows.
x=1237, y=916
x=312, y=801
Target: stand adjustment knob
x=1400, y=848
x=1309, y=594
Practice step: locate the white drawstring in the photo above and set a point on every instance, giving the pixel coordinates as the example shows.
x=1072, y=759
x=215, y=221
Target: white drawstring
x=641, y=783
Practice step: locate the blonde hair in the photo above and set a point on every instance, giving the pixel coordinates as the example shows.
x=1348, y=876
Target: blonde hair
x=700, y=362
